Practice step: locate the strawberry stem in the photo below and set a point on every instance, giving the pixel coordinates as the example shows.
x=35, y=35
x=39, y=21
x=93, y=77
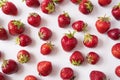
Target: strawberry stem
x=70, y=35
x=104, y=18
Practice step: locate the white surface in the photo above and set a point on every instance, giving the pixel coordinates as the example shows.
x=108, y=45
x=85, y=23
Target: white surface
x=58, y=57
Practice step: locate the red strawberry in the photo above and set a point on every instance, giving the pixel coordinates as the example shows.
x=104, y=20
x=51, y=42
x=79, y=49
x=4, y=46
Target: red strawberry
x=58, y=1
x=32, y=3
x=47, y=6
x=2, y=77
x=44, y=68
x=76, y=58
x=30, y=77
x=23, y=40
x=76, y=1
x=15, y=27
x=79, y=26
x=102, y=24
x=64, y=20
x=8, y=7
x=34, y=19
x=116, y=12
x=23, y=56
x=67, y=73
x=3, y=34
x=104, y=2
x=46, y=48
x=97, y=75
x=90, y=40
x=116, y=50
x=68, y=41
x=117, y=70
x=45, y=33
x=9, y=66
x=92, y=57
x=85, y=7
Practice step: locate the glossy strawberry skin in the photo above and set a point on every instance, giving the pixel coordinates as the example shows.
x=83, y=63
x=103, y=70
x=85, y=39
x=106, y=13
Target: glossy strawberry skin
x=116, y=12
x=32, y=3
x=2, y=77
x=76, y=58
x=44, y=68
x=30, y=77
x=9, y=66
x=117, y=71
x=104, y=2
x=3, y=34
x=45, y=33
x=97, y=75
x=14, y=28
x=9, y=8
x=116, y=50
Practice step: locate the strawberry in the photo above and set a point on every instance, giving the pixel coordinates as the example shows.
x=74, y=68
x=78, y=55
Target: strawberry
x=44, y=68
x=34, y=19
x=117, y=70
x=9, y=66
x=75, y=1
x=8, y=8
x=90, y=40
x=23, y=56
x=79, y=25
x=32, y=3
x=67, y=73
x=45, y=33
x=47, y=6
x=76, y=58
x=97, y=75
x=102, y=24
x=116, y=50
x=92, y=57
x=3, y=34
x=64, y=20
x=23, y=40
x=104, y=2
x=116, y=12
x=2, y=77
x=68, y=41
x=86, y=7
x=30, y=77
x=15, y=27
x=46, y=48
x=58, y=1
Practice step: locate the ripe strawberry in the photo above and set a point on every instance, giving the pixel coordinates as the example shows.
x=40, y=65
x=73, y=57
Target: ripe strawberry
x=32, y=3
x=44, y=68
x=8, y=7
x=64, y=20
x=86, y=7
x=79, y=26
x=75, y=1
x=102, y=24
x=97, y=75
x=47, y=6
x=23, y=40
x=23, y=56
x=90, y=40
x=116, y=50
x=46, y=48
x=116, y=12
x=15, y=27
x=30, y=77
x=3, y=34
x=76, y=58
x=2, y=77
x=104, y=2
x=9, y=66
x=68, y=41
x=92, y=57
x=117, y=70
x=58, y=1
x=67, y=73
x=34, y=19
x=45, y=33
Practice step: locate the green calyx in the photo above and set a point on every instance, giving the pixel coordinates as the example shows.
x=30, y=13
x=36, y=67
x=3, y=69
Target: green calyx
x=55, y=1
x=89, y=59
x=85, y=27
x=34, y=14
x=104, y=18
x=66, y=14
x=79, y=1
x=18, y=23
x=70, y=35
x=23, y=59
x=17, y=40
x=87, y=37
x=50, y=44
x=76, y=63
x=2, y=2
x=50, y=7
x=5, y=62
x=89, y=6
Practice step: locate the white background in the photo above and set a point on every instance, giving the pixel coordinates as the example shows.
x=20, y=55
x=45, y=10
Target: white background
x=59, y=57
